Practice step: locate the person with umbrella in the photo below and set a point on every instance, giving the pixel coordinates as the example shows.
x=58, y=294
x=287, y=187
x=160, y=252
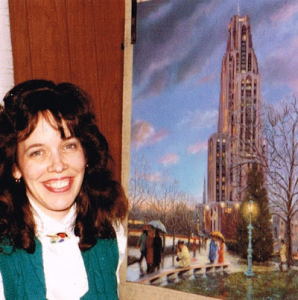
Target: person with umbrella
x=221, y=250
x=157, y=224
x=157, y=249
x=149, y=247
x=212, y=249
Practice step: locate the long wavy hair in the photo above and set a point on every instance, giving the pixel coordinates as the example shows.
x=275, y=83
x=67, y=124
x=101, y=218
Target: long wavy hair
x=101, y=201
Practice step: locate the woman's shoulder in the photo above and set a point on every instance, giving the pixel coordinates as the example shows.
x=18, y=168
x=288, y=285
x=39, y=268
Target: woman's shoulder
x=6, y=246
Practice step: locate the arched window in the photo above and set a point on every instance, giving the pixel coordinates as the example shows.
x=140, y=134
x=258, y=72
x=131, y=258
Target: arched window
x=275, y=233
x=235, y=35
x=232, y=126
x=237, y=62
x=248, y=87
x=243, y=49
x=249, y=62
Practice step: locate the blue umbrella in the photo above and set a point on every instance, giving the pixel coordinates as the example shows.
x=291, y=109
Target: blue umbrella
x=157, y=224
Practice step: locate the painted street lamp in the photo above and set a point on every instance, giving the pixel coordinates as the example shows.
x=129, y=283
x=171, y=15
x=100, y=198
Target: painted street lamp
x=249, y=271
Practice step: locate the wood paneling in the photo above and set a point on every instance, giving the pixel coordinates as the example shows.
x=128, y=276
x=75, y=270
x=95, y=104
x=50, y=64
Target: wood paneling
x=20, y=41
x=79, y=41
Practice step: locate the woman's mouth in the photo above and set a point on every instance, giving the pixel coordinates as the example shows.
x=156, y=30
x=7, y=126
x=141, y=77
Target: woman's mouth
x=58, y=185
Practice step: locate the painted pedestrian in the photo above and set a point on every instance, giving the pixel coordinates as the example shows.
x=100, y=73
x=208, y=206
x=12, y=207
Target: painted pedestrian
x=157, y=249
x=283, y=255
x=149, y=252
x=183, y=256
x=221, y=251
x=212, y=250
x=141, y=243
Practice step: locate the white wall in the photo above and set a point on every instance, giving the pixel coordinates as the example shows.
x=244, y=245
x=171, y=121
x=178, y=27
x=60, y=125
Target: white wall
x=6, y=64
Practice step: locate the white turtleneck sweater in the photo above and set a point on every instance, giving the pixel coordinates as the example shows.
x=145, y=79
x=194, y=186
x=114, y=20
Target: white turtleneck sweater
x=62, y=261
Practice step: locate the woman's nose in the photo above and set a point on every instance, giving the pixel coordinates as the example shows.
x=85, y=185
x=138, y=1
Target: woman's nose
x=57, y=164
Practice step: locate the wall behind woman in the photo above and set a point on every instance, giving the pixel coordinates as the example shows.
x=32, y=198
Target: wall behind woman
x=78, y=41
x=6, y=68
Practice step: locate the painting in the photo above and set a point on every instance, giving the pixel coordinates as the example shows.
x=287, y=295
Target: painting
x=213, y=185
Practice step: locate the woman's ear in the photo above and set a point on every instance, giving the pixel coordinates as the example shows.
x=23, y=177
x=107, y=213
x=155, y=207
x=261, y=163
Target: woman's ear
x=16, y=173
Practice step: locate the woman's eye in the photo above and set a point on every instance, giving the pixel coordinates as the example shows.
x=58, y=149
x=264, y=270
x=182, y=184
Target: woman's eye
x=36, y=153
x=71, y=146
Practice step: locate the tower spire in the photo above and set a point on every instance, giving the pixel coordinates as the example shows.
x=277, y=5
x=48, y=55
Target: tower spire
x=204, y=192
x=239, y=121
x=238, y=8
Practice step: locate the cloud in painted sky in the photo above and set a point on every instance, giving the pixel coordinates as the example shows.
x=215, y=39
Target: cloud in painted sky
x=171, y=42
x=198, y=119
x=169, y=159
x=208, y=78
x=144, y=134
x=152, y=177
x=178, y=40
x=197, y=147
x=276, y=63
x=285, y=13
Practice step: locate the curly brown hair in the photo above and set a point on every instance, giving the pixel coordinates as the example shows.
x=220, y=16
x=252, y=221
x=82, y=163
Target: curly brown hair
x=101, y=201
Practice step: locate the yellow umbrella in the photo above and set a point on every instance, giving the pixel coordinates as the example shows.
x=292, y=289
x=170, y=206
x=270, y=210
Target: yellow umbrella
x=217, y=234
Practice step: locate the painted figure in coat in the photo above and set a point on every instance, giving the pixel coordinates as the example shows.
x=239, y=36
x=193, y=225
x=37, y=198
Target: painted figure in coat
x=212, y=250
x=183, y=255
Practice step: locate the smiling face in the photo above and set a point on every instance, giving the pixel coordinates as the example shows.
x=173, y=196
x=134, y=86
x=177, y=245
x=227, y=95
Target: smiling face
x=52, y=168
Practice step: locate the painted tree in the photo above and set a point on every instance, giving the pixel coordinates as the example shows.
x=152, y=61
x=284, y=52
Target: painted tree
x=141, y=186
x=230, y=219
x=172, y=223
x=262, y=239
x=162, y=204
x=281, y=131
x=278, y=157
x=186, y=214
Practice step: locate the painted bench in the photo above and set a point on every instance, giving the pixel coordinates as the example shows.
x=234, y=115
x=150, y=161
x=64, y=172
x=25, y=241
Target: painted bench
x=194, y=269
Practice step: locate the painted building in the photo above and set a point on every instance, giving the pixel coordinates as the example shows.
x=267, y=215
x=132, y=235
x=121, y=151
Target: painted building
x=238, y=142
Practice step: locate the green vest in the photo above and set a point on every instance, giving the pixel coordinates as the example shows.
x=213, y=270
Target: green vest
x=23, y=276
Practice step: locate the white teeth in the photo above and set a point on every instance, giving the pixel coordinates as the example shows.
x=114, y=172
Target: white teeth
x=58, y=184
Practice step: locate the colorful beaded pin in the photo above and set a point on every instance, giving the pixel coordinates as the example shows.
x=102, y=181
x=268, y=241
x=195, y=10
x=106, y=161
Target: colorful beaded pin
x=58, y=238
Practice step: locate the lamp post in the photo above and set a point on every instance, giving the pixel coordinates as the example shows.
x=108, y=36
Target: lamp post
x=249, y=271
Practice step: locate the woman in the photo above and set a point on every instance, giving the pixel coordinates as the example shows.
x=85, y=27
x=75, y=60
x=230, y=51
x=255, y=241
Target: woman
x=221, y=251
x=150, y=250
x=157, y=249
x=60, y=208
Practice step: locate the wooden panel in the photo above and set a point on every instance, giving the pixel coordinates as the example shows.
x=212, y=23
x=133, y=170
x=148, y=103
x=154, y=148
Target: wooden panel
x=20, y=41
x=39, y=29
x=84, y=72
x=78, y=41
x=109, y=59
x=48, y=39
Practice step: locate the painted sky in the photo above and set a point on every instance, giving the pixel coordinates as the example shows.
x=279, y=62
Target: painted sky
x=176, y=76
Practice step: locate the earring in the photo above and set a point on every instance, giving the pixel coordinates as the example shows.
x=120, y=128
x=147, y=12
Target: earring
x=17, y=180
x=87, y=166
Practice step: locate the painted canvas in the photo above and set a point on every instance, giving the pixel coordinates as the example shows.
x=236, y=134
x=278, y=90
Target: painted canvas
x=214, y=148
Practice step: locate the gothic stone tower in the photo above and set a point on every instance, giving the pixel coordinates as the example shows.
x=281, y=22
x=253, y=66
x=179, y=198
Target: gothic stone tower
x=238, y=142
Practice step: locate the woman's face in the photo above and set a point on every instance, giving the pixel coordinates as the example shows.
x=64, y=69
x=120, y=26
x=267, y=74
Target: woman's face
x=52, y=168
